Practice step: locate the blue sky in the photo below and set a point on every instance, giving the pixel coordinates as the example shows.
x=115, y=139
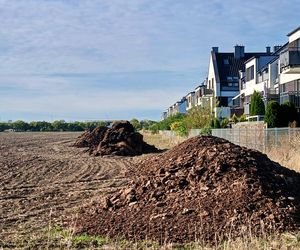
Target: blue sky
x=116, y=59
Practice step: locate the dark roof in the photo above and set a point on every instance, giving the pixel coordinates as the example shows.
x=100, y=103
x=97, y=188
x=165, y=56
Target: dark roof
x=232, y=69
x=294, y=31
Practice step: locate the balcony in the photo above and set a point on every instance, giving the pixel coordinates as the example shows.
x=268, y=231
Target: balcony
x=291, y=96
x=290, y=61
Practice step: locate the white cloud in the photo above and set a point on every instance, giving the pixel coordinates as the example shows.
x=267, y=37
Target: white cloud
x=43, y=37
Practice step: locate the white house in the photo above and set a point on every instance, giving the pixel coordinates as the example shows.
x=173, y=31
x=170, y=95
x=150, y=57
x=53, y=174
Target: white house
x=261, y=74
x=190, y=100
x=223, y=77
x=289, y=78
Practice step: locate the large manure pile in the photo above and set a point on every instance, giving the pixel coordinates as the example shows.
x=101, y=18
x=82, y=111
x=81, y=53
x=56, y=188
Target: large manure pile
x=120, y=139
x=205, y=189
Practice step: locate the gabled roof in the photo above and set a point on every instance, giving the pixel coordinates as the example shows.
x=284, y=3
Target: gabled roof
x=294, y=31
x=232, y=69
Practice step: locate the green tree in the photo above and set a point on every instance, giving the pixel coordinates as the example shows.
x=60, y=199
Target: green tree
x=3, y=126
x=136, y=124
x=198, y=117
x=257, y=106
x=288, y=113
x=272, y=117
x=60, y=125
x=20, y=125
x=180, y=128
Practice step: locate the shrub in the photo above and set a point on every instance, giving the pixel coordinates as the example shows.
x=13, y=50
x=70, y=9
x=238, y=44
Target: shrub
x=224, y=123
x=234, y=118
x=205, y=131
x=272, y=117
x=242, y=118
x=257, y=106
x=198, y=117
x=180, y=128
x=288, y=114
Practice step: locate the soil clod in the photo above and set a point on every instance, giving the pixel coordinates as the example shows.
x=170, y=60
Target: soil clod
x=206, y=188
x=120, y=139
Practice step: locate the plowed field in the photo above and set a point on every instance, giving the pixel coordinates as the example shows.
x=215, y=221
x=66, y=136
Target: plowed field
x=43, y=177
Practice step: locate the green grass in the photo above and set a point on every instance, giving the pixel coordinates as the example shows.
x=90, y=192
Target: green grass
x=59, y=238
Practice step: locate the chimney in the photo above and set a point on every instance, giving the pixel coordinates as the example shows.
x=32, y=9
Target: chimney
x=276, y=47
x=215, y=49
x=239, y=51
x=268, y=50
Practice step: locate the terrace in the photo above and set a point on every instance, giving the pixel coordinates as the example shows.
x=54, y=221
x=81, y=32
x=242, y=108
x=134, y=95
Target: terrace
x=290, y=60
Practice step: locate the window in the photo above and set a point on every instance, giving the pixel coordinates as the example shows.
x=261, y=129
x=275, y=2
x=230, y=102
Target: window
x=250, y=73
x=236, y=84
x=230, y=84
x=226, y=62
x=229, y=78
x=212, y=83
x=235, y=78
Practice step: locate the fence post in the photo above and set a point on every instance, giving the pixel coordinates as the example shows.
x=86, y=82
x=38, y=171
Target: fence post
x=276, y=137
x=265, y=139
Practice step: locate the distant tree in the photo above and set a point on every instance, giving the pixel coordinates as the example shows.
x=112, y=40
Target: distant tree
x=59, y=125
x=272, y=116
x=198, y=117
x=136, y=124
x=75, y=126
x=166, y=123
x=180, y=128
x=146, y=124
x=257, y=106
x=3, y=126
x=288, y=113
x=20, y=125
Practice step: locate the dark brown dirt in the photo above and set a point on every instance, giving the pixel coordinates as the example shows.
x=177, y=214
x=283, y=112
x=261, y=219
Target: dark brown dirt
x=121, y=140
x=203, y=189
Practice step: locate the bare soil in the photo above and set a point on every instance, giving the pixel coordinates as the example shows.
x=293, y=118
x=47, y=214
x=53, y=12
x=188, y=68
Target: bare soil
x=42, y=177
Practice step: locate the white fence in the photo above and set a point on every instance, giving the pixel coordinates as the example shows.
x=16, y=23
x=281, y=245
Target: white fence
x=260, y=139
x=255, y=138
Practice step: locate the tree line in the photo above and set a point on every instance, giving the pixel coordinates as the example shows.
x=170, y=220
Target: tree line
x=59, y=125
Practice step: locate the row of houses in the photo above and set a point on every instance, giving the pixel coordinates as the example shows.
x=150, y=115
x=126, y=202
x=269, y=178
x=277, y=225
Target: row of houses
x=233, y=77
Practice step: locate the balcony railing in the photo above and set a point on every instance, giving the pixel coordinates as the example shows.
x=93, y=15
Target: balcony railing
x=291, y=96
x=290, y=58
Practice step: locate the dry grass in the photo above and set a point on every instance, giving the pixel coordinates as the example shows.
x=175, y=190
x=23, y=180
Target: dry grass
x=58, y=238
x=162, y=141
x=288, y=154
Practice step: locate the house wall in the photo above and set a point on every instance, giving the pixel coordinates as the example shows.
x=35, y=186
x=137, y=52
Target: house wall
x=190, y=100
x=284, y=78
x=252, y=84
x=273, y=71
x=182, y=107
x=294, y=36
x=197, y=96
x=213, y=79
